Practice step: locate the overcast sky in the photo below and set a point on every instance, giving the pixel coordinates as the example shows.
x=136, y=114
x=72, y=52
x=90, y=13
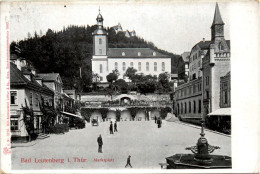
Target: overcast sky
x=174, y=27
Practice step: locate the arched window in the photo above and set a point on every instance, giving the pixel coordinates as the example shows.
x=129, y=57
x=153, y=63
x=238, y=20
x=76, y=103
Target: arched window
x=163, y=66
x=131, y=64
x=181, y=108
x=194, y=107
x=139, y=66
x=185, y=108
x=116, y=65
x=155, y=66
x=100, y=68
x=123, y=66
x=100, y=41
x=220, y=46
x=147, y=66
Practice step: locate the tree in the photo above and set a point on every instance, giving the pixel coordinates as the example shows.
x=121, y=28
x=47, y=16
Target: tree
x=130, y=73
x=164, y=80
x=111, y=77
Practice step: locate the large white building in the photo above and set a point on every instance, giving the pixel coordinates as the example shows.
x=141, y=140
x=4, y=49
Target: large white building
x=105, y=60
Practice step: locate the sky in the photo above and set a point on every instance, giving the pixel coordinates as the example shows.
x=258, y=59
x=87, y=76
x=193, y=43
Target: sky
x=173, y=26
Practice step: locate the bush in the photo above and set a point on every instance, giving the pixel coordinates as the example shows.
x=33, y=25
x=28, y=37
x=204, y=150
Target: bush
x=59, y=128
x=79, y=123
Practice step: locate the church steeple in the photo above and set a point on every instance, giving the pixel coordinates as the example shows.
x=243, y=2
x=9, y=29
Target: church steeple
x=99, y=20
x=217, y=27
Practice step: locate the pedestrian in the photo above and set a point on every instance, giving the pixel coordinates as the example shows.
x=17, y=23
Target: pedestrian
x=115, y=127
x=159, y=122
x=155, y=119
x=128, y=162
x=111, y=127
x=100, y=144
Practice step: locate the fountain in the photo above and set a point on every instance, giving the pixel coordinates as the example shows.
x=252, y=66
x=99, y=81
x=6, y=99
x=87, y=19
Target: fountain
x=201, y=157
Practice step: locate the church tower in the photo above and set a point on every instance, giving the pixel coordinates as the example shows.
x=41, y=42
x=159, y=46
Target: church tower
x=100, y=51
x=99, y=38
x=217, y=27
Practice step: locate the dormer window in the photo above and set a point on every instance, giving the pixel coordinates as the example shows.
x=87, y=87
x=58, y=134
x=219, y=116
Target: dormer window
x=28, y=77
x=123, y=53
x=139, y=54
x=154, y=53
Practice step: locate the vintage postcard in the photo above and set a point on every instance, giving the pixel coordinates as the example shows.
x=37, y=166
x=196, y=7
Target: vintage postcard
x=127, y=86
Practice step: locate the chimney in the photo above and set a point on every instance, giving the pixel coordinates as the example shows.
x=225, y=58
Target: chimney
x=203, y=39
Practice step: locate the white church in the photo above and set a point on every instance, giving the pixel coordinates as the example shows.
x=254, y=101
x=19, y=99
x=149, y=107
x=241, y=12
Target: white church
x=105, y=60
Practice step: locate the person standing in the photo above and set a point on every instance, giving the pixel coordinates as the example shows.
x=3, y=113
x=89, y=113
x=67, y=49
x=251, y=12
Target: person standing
x=111, y=127
x=100, y=144
x=115, y=127
x=128, y=162
x=159, y=122
x=155, y=119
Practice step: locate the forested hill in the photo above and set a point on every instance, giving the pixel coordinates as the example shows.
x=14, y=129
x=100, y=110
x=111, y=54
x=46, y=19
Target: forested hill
x=67, y=51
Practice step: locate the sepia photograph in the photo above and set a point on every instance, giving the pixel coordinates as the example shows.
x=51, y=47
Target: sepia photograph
x=120, y=86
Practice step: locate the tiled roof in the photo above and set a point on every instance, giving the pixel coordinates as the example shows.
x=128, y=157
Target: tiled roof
x=133, y=53
x=17, y=78
x=49, y=76
x=205, y=44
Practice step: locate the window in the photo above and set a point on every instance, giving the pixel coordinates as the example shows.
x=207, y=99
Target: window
x=123, y=66
x=31, y=98
x=225, y=97
x=139, y=66
x=13, y=97
x=123, y=53
x=100, y=51
x=181, y=108
x=100, y=68
x=100, y=41
x=116, y=65
x=155, y=66
x=131, y=64
x=189, y=107
x=194, y=106
x=163, y=66
x=101, y=78
x=36, y=100
x=139, y=54
x=154, y=53
x=199, y=111
x=14, y=124
x=185, y=108
x=147, y=66
x=220, y=46
x=194, y=88
x=178, y=109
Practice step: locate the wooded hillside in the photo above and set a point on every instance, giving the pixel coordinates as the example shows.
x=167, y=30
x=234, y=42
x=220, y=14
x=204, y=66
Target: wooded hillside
x=67, y=51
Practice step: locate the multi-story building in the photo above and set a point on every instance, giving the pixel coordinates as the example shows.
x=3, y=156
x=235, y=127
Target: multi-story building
x=118, y=28
x=209, y=61
x=26, y=91
x=183, y=66
x=105, y=60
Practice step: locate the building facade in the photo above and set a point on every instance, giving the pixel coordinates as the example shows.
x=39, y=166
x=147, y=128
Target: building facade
x=26, y=91
x=209, y=62
x=105, y=60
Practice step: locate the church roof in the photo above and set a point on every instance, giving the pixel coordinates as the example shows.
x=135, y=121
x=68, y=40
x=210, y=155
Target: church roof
x=100, y=31
x=134, y=53
x=217, y=17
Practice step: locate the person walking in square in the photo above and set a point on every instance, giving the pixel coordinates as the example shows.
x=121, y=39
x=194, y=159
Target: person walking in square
x=128, y=163
x=111, y=127
x=100, y=144
x=115, y=127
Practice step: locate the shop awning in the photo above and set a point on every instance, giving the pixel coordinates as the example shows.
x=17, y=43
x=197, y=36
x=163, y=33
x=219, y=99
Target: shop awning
x=67, y=113
x=221, y=112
